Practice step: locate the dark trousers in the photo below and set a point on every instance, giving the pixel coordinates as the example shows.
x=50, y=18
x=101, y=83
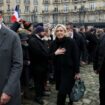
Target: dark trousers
x=39, y=82
x=61, y=98
x=25, y=76
x=102, y=86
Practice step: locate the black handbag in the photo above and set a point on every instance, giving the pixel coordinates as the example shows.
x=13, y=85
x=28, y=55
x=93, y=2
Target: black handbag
x=78, y=90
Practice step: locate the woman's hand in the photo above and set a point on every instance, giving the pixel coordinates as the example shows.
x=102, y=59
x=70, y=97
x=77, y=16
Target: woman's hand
x=60, y=51
x=77, y=76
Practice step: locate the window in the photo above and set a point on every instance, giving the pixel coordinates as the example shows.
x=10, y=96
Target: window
x=65, y=19
x=46, y=8
x=17, y=1
x=26, y=1
x=75, y=7
x=35, y=9
x=66, y=8
x=8, y=7
x=92, y=6
x=8, y=1
x=56, y=9
x=35, y=1
x=27, y=9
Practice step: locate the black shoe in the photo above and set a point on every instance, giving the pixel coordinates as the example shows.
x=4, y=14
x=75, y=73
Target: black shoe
x=70, y=103
x=39, y=100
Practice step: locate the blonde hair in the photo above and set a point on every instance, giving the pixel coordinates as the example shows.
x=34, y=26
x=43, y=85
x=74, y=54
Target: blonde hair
x=63, y=26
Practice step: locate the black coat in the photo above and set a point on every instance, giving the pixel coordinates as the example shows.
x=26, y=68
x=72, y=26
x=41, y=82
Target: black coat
x=80, y=42
x=99, y=57
x=26, y=58
x=65, y=65
x=38, y=54
x=92, y=41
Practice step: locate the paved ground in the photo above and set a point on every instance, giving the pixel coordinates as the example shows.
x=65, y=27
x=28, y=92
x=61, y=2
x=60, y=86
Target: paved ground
x=91, y=95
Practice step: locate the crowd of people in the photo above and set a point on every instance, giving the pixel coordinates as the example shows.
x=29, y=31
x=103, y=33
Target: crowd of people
x=50, y=55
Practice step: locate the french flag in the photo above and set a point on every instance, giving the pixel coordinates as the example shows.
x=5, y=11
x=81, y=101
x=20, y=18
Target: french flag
x=15, y=16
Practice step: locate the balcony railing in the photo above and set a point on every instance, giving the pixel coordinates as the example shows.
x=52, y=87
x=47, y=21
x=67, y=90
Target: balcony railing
x=18, y=1
x=46, y=1
x=27, y=2
x=56, y=1
x=78, y=1
x=65, y=1
x=64, y=11
x=45, y=12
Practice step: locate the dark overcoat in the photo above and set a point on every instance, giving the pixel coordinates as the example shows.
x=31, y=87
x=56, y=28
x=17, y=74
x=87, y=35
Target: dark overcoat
x=99, y=56
x=10, y=65
x=38, y=54
x=66, y=65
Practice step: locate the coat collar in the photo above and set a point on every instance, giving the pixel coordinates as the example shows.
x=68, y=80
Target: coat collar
x=3, y=32
x=41, y=43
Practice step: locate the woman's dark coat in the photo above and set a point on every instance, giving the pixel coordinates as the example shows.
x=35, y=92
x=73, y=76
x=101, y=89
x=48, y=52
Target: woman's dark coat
x=65, y=65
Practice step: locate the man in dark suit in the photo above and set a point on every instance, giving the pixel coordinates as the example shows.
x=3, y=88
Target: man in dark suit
x=10, y=66
x=99, y=67
x=77, y=37
x=92, y=43
x=39, y=61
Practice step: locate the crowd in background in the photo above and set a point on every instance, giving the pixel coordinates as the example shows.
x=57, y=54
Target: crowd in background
x=49, y=53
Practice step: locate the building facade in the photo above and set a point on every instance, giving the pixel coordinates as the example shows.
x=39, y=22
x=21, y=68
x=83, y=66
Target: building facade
x=56, y=11
x=28, y=9
x=76, y=11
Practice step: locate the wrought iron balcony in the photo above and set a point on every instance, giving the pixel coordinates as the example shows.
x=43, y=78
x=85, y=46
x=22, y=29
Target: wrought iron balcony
x=18, y=1
x=46, y=1
x=27, y=2
x=65, y=1
x=64, y=11
x=56, y=1
x=78, y=1
x=45, y=12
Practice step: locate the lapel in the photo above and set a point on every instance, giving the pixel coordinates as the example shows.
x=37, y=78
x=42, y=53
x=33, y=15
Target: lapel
x=41, y=44
x=2, y=34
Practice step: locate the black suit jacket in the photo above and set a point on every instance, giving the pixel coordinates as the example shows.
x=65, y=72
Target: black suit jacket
x=38, y=53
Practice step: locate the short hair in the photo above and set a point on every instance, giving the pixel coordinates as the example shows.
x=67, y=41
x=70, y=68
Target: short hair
x=82, y=28
x=60, y=25
x=70, y=24
x=46, y=29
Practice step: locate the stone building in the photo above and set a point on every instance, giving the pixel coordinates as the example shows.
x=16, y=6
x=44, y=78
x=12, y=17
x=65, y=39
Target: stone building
x=56, y=11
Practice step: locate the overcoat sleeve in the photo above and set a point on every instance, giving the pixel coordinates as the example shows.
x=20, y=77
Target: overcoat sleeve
x=16, y=67
x=75, y=57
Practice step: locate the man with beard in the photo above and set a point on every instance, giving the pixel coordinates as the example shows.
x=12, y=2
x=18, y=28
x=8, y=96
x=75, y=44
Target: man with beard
x=39, y=61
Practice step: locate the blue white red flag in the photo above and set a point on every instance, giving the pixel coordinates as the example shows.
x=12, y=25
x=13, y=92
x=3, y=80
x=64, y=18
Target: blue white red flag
x=15, y=16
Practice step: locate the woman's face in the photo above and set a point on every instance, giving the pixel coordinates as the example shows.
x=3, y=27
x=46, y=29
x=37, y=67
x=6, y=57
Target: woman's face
x=60, y=33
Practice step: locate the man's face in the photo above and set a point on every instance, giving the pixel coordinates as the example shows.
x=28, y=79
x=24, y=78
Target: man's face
x=47, y=33
x=42, y=34
x=69, y=29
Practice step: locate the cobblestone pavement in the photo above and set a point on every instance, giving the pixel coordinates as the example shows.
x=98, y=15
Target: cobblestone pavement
x=91, y=96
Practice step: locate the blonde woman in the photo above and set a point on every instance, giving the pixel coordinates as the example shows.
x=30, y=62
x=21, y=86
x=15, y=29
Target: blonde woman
x=65, y=58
